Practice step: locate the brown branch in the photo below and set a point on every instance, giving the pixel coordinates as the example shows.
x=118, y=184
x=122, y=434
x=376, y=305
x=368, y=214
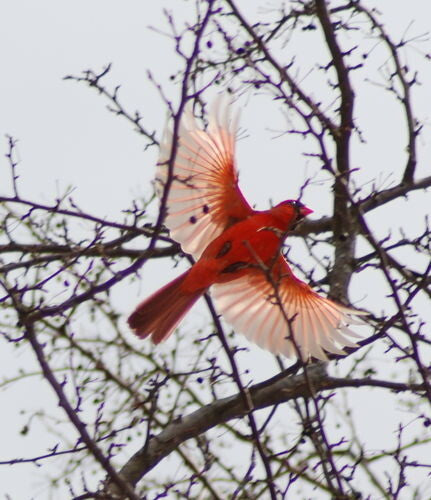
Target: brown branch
x=344, y=235
x=56, y=209
x=93, y=79
x=405, y=99
x=61, y=252
x=398, y=302
x=63, y=401
x=380, y=198
x=282, y=71
x=75, y=300
x=262, y=395
x=245, y=395
x=375, y=200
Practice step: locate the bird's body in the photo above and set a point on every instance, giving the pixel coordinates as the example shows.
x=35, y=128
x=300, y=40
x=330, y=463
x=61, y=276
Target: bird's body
x=238, y=254
x=253, y=242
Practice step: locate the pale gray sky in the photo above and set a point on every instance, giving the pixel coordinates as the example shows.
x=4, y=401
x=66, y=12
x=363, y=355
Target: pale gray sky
x=68, y=138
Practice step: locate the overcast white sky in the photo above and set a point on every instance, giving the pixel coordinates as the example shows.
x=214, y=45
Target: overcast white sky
x=68, y=138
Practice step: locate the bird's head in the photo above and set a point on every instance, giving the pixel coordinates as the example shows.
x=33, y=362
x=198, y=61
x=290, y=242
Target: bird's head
x=291, y=211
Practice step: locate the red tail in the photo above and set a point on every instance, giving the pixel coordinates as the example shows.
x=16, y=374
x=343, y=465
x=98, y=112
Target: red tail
x=160, y=313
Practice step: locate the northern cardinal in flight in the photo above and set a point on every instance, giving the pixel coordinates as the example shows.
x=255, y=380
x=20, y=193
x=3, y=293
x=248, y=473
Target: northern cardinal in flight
x=237, y=251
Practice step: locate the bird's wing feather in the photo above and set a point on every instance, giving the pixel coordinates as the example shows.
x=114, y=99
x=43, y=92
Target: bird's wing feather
x=253, y=307
x=204, y=197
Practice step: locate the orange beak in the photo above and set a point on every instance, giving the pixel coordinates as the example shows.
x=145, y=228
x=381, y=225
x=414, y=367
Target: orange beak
x=304, y=211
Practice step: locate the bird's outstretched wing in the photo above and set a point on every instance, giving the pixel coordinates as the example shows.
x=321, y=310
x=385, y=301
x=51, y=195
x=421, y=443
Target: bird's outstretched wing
x=204, y=197
x=262, y=309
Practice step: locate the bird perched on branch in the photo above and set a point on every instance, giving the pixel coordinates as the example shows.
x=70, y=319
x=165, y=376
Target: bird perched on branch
x=237, y=251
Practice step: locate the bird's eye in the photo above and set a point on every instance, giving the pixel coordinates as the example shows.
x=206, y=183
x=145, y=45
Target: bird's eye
x=297, y=204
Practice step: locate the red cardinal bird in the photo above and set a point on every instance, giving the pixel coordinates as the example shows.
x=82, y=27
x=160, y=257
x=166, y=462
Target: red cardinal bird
x=238, y=253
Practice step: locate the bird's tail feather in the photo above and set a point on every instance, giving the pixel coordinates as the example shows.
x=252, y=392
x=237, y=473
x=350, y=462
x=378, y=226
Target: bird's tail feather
x=158, y=315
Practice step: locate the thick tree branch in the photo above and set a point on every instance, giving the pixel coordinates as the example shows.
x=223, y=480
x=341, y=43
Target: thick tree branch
x=223, y=410
x=343, y=227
